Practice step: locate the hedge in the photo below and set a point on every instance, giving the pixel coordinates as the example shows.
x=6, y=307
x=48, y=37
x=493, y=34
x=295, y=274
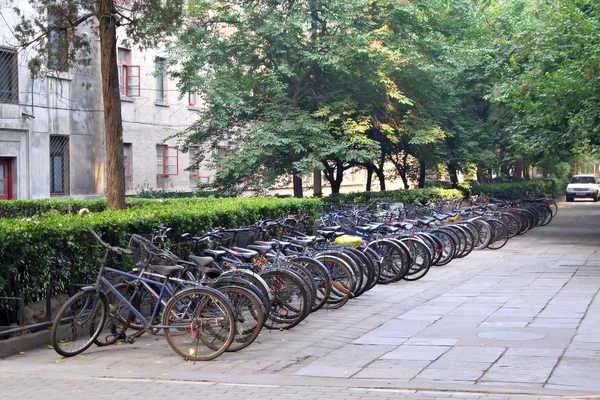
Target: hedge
x=55, y=251
x=30, y=208
x=396, y=196
x=517, y=190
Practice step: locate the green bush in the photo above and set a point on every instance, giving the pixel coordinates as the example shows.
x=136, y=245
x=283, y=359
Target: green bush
x=30, y=208
x=55, y=251
x=517, y=190
x=405, y=196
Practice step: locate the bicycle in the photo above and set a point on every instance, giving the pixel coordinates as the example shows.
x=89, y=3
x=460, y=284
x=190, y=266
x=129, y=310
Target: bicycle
x=198, y=322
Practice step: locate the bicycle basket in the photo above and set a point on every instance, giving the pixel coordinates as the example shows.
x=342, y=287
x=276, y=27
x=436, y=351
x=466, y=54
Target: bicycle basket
x=246, y=236
x=144, y=253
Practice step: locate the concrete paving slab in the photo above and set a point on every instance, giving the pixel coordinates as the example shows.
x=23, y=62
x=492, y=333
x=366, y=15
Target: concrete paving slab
x=407, y=352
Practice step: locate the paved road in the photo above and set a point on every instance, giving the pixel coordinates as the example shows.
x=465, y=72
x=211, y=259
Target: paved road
x=520, y=322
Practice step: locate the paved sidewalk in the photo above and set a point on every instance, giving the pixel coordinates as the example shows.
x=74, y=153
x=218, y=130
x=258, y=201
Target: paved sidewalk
x=520, y=321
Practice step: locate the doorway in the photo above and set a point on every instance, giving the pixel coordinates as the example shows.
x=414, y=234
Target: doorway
x=5, y=179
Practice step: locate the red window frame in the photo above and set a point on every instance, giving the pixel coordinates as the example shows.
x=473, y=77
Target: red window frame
x=130, y=75
x=165, y=148
x=7, y=179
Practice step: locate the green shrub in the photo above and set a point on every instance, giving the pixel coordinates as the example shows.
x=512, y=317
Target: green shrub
x=517, y=190
x=56, y=250
x=406, y=196
x=30, y=208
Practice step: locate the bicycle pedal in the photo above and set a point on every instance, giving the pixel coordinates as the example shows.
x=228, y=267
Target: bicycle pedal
x=129, y=340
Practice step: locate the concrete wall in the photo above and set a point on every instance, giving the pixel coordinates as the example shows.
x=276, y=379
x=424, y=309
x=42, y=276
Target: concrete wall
x=48, y=105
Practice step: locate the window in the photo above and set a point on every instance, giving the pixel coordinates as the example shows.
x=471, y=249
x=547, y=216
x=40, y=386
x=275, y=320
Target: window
x=193, y=99
x=9, y=76
x=222, y=153
x=127, y=166
x=159, y=65
x=195, y=174
x=58, y=43
x=59, y=165
x=167, y=160
x=129, y=75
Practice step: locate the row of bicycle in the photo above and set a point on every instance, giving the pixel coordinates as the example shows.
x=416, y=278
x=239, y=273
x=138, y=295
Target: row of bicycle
x=272, y=274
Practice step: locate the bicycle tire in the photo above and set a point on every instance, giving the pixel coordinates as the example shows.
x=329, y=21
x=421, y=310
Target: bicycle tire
x=199, y=315
x=78, y=322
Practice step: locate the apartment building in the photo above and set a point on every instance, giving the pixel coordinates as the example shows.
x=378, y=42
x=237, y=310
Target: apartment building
x=52, y=127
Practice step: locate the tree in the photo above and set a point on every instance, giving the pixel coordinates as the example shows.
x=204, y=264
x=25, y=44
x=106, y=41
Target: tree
x=300, y=84
x=53, y=31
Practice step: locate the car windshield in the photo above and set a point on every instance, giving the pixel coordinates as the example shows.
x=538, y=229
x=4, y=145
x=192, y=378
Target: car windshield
x=583, y=179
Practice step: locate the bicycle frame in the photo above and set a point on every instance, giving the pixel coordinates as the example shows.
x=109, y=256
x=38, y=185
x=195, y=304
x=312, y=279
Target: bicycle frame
x=164, y=291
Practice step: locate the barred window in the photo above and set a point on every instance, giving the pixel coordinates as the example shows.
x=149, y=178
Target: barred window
x=9, y=76
x=59, y=165
x=159, y=66
x=128, y=166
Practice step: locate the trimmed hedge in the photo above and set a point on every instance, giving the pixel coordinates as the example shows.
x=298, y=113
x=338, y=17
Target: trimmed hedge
x=517, y=190
x=30, y=208
x=56, y=251
x=406, y=196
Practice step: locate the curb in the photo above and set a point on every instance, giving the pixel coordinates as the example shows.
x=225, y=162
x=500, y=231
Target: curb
x=25, y=342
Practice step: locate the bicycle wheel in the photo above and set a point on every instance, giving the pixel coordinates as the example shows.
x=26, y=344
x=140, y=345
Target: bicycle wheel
x=342, y=280
x=79, y=322
x=289, y=305
x=119, y=316
x=512, y=224
x=199, y=323
x=321, y=277
x=421, y=260
x=448, y=247
x=500, y=236
x=249, y=315
x=395, y=260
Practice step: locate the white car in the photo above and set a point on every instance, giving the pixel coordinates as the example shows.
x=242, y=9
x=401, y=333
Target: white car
x=583, y=186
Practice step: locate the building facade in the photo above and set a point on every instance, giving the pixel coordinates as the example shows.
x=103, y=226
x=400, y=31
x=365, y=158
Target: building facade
x=52, y=126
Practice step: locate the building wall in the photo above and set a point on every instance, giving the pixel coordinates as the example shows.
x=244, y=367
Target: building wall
x=48, y=105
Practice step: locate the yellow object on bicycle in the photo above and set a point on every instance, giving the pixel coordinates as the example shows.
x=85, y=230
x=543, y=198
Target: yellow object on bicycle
x=349, y=240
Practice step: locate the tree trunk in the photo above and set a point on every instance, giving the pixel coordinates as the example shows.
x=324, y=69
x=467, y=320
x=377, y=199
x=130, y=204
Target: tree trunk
x=317, y=186
x=296, y=178
x=336, y=183
x=518, y=174
x=113, y=125
x=452, y=171
x=404, y=179
x=545, y=171
x=480, y=174
x=526, y=171
x=369, y=178
x=297, y=181
x=381, y=177
x=422, y=174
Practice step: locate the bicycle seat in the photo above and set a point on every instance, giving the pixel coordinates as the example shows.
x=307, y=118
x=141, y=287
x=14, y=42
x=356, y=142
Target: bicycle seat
x=216, y=254
x=166, y=270
x=202, y=261
x=282, y=244
x=262, y=250
x=247, y=255
x=329, y=234
x=271, y=244
x=366, y=228
x=304, y=242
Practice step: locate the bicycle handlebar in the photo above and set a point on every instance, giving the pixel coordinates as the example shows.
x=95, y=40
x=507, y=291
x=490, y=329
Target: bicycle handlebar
x=116, y=249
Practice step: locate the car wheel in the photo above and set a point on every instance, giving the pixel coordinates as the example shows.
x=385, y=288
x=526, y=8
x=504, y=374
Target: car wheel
x=569, y=199
x=596, y=197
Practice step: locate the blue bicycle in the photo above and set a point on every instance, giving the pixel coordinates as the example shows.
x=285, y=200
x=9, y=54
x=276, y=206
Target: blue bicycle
x=198, y=322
